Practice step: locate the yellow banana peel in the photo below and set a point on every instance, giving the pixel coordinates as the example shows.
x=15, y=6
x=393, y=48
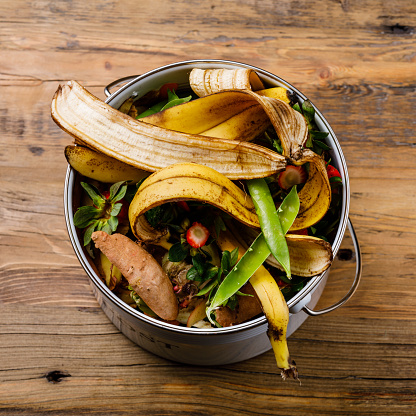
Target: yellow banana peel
x=190, y=181
x=198, y=116
x=148, y=147
x=315, y=196
x=209, y=81
x=273, y=305
x=279, y=93
x=100, y=167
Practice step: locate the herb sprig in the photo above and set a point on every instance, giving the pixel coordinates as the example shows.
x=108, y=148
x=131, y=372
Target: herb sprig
x=103, y=214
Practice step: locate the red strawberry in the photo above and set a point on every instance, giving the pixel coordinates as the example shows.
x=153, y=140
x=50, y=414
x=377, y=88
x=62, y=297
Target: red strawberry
x=197, y=235
x=292, y=175
x=332, y=172
x=163, y=92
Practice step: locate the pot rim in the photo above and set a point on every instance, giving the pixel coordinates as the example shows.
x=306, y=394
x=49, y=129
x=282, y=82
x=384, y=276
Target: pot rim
x=261, y=320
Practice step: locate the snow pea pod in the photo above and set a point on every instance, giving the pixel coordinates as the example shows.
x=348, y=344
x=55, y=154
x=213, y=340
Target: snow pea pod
x=255, y=255
x=270, y=223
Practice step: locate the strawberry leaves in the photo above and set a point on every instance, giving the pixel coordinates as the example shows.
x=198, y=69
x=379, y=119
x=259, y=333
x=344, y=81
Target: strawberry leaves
x=102, y=215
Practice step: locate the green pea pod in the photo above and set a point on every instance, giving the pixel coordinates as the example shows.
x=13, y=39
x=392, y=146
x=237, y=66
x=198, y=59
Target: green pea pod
x=288, y=210
x=255, y=256
x=269, y=222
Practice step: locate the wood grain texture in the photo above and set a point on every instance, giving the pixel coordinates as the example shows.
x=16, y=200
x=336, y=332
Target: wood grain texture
x=356, y=60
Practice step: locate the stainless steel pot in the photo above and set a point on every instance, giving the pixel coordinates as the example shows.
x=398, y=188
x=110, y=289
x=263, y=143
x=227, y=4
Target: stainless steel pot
x=215, y=346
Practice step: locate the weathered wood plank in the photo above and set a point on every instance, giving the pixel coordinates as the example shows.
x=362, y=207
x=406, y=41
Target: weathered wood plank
x=91, y=358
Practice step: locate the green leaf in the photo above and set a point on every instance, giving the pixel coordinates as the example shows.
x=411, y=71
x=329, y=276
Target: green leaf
x=219, y=225
x=211, y=272
x=308, y=110
x=177, y=252
x=172, y=101
x=226, y=261
x=243, y=294
x=116, y=209
x=199, y=263
x=234, y=257
x=275, y=142
x=162, y=214
x=193, y=274
x=322, y=145
x=97, y=199
x=232, y=302
x=206, y=289
x=117, y=191
x=100, y=225
x=153, y=109
x=175, y=102
x=106, y=228
x=319, y=135
x=88, y=233
x=113, y=224
x=84, y=215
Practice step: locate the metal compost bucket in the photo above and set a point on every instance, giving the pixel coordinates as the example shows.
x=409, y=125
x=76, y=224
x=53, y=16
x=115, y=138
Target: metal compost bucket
x=214, y=346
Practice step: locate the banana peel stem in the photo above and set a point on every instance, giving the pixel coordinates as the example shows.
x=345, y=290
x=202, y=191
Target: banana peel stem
x=273, y=305
x=277, y=313
x=281, y=352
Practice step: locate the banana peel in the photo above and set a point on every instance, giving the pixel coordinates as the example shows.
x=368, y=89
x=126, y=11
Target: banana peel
x=189, y=181
x=227, y=116
x=198, y=116
x=315, y=196
x=99, y=126
x=98, y=166
x=209, y=81
x=292, y=130
x=273, y=305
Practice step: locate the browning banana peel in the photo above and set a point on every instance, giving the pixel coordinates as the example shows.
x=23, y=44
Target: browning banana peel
x=190, y=181
x=273, y=305
x=99, y=126
x=100, y=167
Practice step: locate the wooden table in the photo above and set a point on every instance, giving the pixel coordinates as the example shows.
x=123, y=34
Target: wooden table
x=59, y=354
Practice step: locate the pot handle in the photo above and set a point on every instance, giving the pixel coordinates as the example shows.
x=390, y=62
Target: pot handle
x=118, y=82
x=358, y=271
